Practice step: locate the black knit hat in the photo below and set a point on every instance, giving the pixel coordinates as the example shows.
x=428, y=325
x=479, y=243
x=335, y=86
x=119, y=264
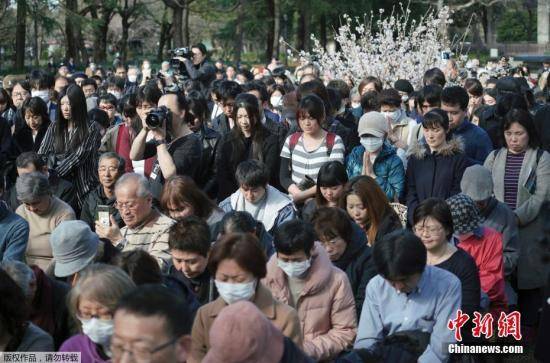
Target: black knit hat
x=404, y=86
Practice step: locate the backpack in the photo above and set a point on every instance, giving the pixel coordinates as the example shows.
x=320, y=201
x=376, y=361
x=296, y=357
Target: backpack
x=331, y=137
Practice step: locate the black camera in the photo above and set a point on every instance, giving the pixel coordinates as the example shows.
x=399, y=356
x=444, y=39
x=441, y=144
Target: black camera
x=177, y=65
x=157, y=116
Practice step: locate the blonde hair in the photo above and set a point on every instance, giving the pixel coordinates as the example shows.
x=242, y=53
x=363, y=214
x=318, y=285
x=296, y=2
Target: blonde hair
x=102, y=283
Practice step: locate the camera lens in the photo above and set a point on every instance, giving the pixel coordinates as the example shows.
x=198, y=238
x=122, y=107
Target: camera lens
x=153, y=120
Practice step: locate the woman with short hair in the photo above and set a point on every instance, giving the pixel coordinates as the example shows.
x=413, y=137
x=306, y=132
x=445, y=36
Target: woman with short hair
x=238, y=264
x=435, y=167
x=92, y=302
x=521, y=178
x=305, y=152
x=181, y=197
x=28, y=135
x=331, y=181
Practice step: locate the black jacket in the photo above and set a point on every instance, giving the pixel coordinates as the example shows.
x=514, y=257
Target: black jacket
x=180, y=288
x=206, y=177
x=434, y=175
x=358, y=265
x=89, y=208
x=226, y=163
x=293, y=354
x=23, y=137
x=204, y=73
x=203, y=286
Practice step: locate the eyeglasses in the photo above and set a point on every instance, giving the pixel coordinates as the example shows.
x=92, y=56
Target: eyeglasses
x=140, y=354
x=127, y=205
x=428, y=230
x=110, y=169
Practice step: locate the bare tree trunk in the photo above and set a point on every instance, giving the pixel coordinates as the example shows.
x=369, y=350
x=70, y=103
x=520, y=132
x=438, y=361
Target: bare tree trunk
x=185, y=17
x=20, y=32
x=270, y=29
x=70, y=31
x=177, y=26
x=276, y=28
x=35, y=40
x=125, y=30
x=491, y=34
x=164, y=30
x=238, y=48
x=303, y=26
x=323, y=30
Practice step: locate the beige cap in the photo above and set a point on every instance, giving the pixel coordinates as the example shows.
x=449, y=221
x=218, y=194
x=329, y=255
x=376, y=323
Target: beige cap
x=373, y=123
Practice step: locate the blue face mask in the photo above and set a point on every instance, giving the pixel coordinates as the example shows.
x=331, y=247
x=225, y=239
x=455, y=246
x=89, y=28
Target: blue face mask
x=232, y=293
x=371, y=143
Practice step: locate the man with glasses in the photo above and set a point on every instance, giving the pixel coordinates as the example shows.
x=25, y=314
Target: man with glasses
x=151, y=324
x=108, y=103
x=228, y=91
x=146, y=228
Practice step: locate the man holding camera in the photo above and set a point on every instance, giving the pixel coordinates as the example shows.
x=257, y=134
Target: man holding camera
x=199, y=68
x=178, y=149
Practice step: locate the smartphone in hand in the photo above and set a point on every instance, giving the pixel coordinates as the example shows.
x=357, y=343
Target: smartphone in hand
x=104, y=215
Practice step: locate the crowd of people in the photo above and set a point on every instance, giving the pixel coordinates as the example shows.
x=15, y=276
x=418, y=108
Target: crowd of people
x=208, y=213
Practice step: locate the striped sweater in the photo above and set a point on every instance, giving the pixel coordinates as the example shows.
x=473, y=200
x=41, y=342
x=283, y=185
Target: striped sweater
x=308, y=163
x=151, y=237
x=78, y=166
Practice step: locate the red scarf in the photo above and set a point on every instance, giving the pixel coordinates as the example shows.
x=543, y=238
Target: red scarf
x=42, y=310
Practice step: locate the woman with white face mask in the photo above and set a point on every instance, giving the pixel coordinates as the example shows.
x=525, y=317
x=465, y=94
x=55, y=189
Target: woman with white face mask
x=238, y=264
x=92, y=302
x=376, y=157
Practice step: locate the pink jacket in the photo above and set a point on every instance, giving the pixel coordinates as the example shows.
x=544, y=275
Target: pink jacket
x=326, y=306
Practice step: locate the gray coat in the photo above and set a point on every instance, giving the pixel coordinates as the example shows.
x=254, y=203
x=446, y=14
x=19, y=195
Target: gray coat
x=532, y=271
x=501, y=218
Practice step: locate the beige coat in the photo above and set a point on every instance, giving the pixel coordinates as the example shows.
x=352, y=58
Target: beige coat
x=281, y=315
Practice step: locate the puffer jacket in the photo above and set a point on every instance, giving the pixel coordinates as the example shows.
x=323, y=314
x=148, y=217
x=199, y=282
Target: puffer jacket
x=388, y=167
x=436, y=175
x=326, y=306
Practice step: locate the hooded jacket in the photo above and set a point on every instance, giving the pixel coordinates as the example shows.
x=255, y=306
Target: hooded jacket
x=388, y=167
x=436, y=174
x=278, y=207
x=358, y=265
x=326, y=306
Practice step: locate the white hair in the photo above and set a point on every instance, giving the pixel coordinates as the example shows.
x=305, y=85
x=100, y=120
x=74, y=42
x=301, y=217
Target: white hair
x=142, y=191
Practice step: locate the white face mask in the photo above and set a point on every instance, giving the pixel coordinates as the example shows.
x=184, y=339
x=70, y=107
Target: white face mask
x=355, y=104
x=395, y=116
x=43, y=94
x=99, y=331
x=404, y=98
x=132, y=78
x=294, y=269
x=116, y=94
x=232, y=293
x=276, y=101
x=371, y=143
